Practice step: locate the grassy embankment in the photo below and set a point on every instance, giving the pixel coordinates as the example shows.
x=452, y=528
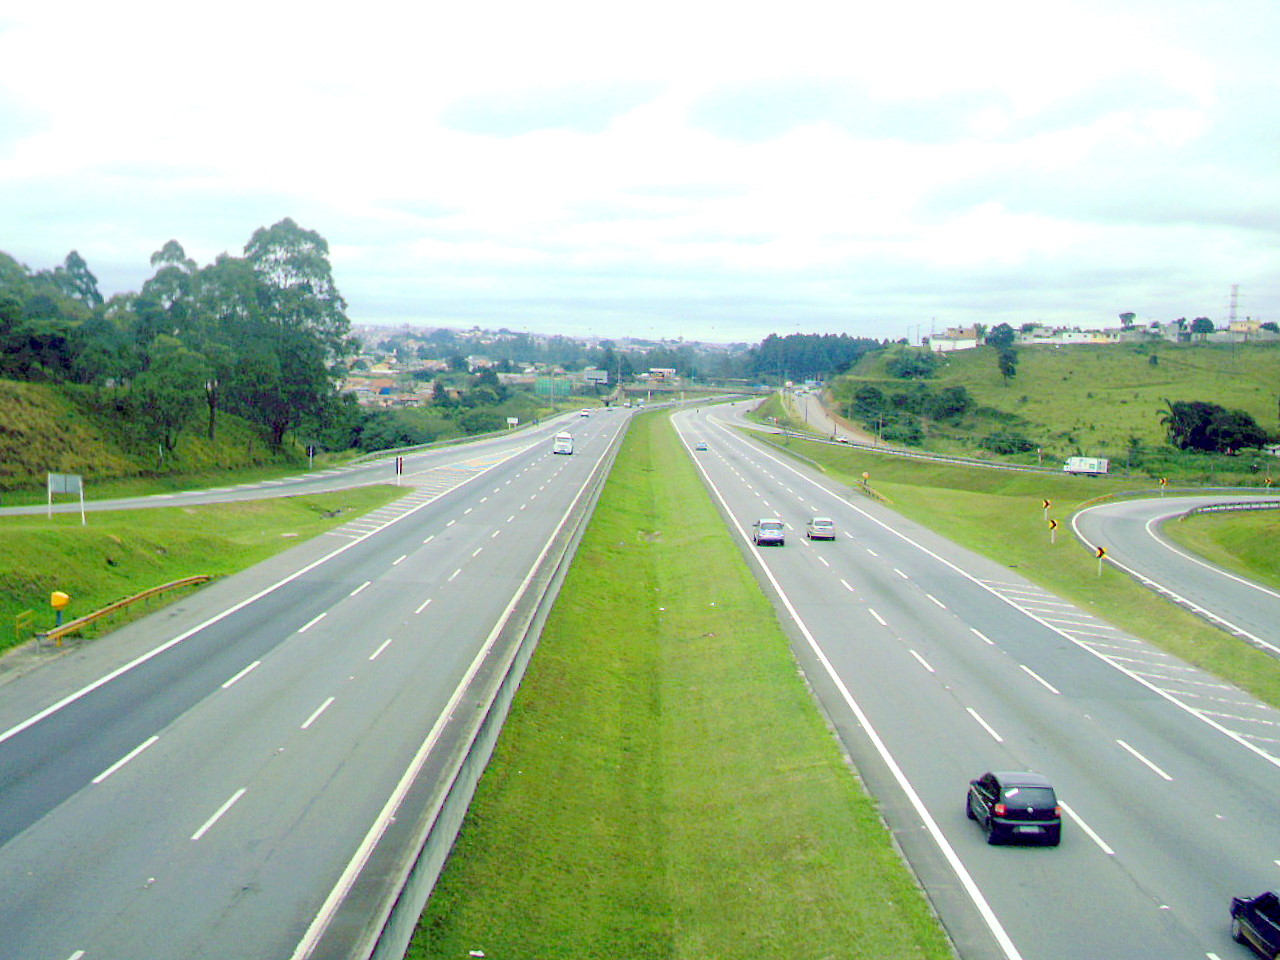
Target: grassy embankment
x=50, y=429
x=1001, y=514
x=665, y=786
x=1093, y=399
x=1248, y=543
x=123, y=553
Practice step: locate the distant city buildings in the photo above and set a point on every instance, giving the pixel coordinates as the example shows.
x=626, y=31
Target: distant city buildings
x=1175, y=331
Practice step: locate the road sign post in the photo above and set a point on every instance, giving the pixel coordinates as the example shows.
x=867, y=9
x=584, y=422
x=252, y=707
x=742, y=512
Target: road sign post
x=71, y=483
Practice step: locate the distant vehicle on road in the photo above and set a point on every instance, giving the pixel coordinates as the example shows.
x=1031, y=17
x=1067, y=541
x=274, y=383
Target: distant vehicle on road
x=769, y=533
x=563, y=443
x=820, y=528
x=1015, y=806
x=584, y=412
x=1256, y=921
x=1091, y=465
x=700, y=445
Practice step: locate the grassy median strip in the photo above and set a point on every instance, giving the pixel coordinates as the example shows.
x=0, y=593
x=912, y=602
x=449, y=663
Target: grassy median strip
x=665, y=786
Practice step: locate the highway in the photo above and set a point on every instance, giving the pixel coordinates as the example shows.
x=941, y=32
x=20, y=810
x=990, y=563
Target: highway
x=935, y=665
x=198, y=784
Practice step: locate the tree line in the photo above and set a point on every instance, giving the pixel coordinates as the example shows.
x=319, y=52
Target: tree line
x=262, y=335
x=265, y=336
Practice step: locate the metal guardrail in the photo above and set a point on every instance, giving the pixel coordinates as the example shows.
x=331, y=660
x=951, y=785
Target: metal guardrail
x=379, y=911
x=922, y=455
x=1232, y=507
x=73, y=626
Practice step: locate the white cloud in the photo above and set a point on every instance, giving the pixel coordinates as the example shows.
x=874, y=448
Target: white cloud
x=679, y=165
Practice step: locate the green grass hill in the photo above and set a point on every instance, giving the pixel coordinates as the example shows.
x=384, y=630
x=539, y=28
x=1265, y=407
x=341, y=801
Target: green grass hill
x=47, y=429
x=1091, y=400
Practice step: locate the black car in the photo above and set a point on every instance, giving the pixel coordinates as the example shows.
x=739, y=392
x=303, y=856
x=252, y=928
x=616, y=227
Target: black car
x=1015, y=806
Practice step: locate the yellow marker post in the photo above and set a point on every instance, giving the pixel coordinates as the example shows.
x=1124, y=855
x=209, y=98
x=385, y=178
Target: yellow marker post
x=1053, y=532
x=1100, y=553
x=59, y=600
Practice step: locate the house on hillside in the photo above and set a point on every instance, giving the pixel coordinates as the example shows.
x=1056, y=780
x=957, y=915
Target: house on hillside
x=954, y=338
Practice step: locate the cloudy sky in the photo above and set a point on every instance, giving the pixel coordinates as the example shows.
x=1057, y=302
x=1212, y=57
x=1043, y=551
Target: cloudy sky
x=697, y=168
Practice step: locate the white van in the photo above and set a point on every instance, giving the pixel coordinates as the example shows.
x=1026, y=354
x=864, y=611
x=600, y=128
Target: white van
x=563, y=443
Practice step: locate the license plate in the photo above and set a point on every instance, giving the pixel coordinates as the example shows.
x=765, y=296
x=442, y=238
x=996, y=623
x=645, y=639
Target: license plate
x=1026, y=829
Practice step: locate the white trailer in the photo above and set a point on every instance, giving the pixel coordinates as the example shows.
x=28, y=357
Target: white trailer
x=1091, y=465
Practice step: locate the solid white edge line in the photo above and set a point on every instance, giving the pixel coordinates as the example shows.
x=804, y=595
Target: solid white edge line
x=320, y=709
x=208, y=824
x=953, y=859
x=324, y=916
x=1035, y=676
x=125, y=759
x=1102, y=844
x=985, y=726
x=1139, y=757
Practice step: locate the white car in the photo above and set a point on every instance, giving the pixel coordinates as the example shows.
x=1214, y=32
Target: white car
x=820, y=528
x=584, y=412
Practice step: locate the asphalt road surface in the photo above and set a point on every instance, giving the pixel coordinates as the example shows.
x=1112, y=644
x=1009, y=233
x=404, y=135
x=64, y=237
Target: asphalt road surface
x=195, y=784
x=936, y=665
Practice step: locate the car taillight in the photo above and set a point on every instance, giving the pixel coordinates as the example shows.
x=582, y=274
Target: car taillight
x=999, y=809
x=1057, y=812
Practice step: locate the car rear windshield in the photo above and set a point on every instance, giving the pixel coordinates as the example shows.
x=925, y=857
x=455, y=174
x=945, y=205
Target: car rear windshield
x=1039, y=797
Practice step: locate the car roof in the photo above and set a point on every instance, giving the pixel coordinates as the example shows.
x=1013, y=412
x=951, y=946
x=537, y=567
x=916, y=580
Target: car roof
x=822, y=520
x=1021, y=778
x=769, y=520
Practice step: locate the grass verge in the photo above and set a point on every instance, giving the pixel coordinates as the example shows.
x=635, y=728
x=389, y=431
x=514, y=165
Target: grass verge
x=1248, y=543
x=665, y=786
x=1001, y=514
x=121, y=553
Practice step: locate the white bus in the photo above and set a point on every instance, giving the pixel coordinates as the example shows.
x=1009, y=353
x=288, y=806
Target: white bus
x=563, y=443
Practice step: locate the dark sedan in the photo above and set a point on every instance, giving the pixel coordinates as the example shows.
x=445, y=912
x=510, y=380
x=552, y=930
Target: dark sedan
x=1015, y=806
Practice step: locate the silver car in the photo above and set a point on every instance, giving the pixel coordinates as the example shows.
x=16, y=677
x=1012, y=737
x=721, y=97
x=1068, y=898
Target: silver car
x=820, y=528
x=769, y=532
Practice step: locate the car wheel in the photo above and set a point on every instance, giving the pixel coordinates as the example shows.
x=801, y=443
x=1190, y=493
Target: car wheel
x=1236, y=933
x=968, y=809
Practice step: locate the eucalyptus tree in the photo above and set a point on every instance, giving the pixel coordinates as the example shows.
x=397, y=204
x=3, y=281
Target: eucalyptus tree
x=167, y=394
